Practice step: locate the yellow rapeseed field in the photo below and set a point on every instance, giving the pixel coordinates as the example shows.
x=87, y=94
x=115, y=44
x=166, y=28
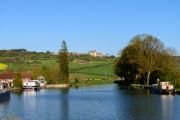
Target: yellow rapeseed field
x=3, y=66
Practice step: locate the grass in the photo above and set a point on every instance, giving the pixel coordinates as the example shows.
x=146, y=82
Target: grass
x=95, y=82
x=101, y=70
x=94, y=71
x=30, y=64
x=91, y=82
x=90, y=64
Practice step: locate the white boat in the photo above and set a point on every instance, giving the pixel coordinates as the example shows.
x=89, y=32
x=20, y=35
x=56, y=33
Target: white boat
x=31, y=85
x=4, y=91
x=163, y=88
x=35, y=84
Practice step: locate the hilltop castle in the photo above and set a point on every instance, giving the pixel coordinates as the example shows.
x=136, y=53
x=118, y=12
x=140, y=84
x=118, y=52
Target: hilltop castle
x=94, y=53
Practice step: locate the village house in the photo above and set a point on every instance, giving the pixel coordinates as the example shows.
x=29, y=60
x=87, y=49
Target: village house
x=9, y=77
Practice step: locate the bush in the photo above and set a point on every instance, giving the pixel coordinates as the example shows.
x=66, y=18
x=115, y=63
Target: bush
x=18, y=81
x=76, y=81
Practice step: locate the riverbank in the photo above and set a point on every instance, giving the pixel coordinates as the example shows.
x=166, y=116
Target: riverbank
x=139, y=86
x=15, y=89
x=92, y=82
x=58, y=86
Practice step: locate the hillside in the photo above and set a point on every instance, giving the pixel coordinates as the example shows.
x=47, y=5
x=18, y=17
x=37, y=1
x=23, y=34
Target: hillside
x=82, y=67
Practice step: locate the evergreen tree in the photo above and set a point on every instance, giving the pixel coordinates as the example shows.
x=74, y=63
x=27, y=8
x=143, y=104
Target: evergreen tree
x=63, y=63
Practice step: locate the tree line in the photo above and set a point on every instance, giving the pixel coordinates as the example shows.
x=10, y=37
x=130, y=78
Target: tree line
x=145, y=60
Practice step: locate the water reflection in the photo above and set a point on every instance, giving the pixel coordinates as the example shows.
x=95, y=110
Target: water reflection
x=140, y=104
x=92, y=103
x=64, y=102
x=4, y=104
x=167, y=105
x=29, y=93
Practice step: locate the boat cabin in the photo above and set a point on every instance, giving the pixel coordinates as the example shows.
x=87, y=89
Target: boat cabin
x=4, y=86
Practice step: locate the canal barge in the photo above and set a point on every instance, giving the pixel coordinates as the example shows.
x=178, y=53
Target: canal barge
x=163, y=88
x=4, y=91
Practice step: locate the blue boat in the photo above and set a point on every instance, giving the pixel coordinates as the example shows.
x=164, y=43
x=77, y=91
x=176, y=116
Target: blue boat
x=4, y=91
x=163, y=88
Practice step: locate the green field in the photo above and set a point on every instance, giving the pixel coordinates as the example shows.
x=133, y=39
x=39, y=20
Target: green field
x=94, y=71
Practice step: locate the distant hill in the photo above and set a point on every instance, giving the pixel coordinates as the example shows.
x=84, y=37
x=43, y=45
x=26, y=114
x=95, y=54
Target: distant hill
x=82, y=66
x=24, y=53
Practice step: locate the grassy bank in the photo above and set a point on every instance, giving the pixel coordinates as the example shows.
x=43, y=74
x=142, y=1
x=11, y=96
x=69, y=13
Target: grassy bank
x=91, y=82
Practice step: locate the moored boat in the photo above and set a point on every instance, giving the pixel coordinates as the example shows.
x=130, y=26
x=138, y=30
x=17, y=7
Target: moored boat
x=163, y=88
x=31, y=85
x=4, y=91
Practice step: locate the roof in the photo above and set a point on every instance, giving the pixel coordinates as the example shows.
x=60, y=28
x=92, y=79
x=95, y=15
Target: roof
x=7, y=75
x=12, y=75
x=3, y=81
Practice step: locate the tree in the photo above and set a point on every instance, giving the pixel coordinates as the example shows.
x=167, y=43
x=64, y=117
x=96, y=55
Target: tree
x=63, y=63
x=36, y=72
x=150, y=51
x=51, y=74
x=18, y=81
x=144, y=55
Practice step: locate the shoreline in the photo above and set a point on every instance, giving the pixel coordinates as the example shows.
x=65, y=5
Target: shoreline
x=58, y=86
x=15, y=89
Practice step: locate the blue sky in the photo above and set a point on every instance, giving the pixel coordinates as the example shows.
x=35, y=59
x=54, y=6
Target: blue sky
x=104, y=25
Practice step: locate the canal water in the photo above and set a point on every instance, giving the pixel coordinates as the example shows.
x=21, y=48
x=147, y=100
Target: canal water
x=105, y=102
